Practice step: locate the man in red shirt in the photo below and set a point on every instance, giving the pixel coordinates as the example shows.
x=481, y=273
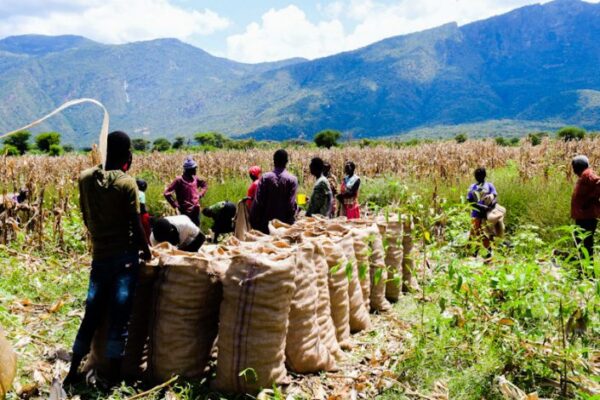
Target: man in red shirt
x=254, y=173
x=188, y=190
x=585, y=203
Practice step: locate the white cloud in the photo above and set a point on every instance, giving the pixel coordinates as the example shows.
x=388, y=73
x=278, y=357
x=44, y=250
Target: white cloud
x=108, y=21
x=287, y=32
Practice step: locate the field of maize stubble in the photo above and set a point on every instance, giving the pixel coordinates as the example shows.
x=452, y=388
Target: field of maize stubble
x=524, y=326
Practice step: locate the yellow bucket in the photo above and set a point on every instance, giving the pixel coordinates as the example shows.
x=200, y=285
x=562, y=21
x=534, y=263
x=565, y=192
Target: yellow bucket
x=301, y=199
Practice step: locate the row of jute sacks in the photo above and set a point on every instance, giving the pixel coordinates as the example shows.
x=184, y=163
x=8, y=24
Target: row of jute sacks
x=269, y=303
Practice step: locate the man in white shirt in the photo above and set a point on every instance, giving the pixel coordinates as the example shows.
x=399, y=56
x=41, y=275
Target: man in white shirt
x=179, y=230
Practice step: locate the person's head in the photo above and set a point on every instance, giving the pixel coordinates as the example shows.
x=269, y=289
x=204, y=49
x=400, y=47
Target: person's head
x=280, y=158
x=316, y=167
x=23, y=195
x=254, y=172
x=326, y=169
x=480, y=174
x=190, y=167
x=141, y=184
x=580, y=163
x=164, y=231
x=349, y=168
x=118, y=151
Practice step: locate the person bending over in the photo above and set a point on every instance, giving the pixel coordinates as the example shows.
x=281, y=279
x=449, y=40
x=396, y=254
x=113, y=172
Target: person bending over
x=111, y=212
x=178, y=230
x=223, y=214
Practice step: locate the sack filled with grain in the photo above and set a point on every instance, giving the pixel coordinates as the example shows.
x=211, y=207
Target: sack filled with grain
x=362, y=252
x=257, y=294
x=185, y=318
x=393, y=259
x=377, y=269
x=409, y=283
x=359, y=312
x=305, y=352
x=8, y=365
x=135, y=357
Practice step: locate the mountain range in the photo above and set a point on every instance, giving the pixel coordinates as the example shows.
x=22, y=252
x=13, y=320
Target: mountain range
x=536, y=66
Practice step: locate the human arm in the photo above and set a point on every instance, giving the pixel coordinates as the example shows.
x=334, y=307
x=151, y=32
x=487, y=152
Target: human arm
x=203, y=186
x=133, y=210
x=169, y=192
x=82, y=204
x=350, y=191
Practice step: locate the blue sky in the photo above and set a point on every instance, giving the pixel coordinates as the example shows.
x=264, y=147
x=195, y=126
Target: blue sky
x=245, y=30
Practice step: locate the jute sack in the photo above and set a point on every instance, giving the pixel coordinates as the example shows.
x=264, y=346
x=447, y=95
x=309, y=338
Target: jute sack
x=361, y=251
x=8, y=365
x=305, y=352
x=359, y=312
x=257, y=294
x=135, y=358
x=393, y=260
x=409, y=284
x=242, y=220
x=377, y=269
x=338, y=291
x=324, y=318
x=185, y=318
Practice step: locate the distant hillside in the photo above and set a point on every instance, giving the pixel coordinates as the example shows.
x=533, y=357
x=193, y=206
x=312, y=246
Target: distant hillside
x=539, y=65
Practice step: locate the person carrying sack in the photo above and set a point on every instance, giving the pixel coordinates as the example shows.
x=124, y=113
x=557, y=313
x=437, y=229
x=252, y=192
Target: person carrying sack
x=483, y=197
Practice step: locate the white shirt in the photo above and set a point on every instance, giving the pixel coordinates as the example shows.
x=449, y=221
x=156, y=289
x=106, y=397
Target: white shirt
x=185, y=227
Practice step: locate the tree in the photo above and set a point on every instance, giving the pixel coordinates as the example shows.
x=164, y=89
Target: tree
x=140, y=144
x=570, y=133
x=179, y=142
x=19, y=141
x=9, y=150
x=515, y=141
x=161, y=144
x=535, y=138
x=44, y=141
x=68, y=148
x=327, y=138
x=460, y=138
x=212, y=139
x=500, y=141
x=56, y=150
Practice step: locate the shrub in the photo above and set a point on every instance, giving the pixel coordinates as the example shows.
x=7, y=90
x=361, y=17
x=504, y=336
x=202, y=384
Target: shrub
x=68, y=148
x=212, y=139
x=535, y=138
x=460, y=138
x=515, y=141
x=44, y=141
x=179, y=142
x=19, y=141
x=140, y=144
x=161, y=144
x=570, y=133
x=500, y=141
x=55, y=150
x=327, y=138
x=9, y=150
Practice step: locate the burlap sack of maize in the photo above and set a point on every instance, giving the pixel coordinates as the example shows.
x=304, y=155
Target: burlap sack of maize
x=393, y=260
x=377, y=269
x=253, y=324
x=324, y=318
x=8, y=365
x=409, y=284
x=338, y=291
x=359, y=312
x=242, y=220
x=185, y=318
x=362, y=252
x=135, y=358
x=305, y=352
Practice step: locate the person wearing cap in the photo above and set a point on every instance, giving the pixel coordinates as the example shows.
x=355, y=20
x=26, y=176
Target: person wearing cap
x=188, y=190
x=585, y=203
x=254, y=173
x=275, y=196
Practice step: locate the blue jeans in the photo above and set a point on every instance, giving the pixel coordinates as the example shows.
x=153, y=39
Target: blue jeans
x=112, y=286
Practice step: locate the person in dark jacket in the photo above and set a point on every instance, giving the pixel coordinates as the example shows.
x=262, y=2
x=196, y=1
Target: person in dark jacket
x=223, y=214
x=585, y=202
x=276, y=196
x=321, y=197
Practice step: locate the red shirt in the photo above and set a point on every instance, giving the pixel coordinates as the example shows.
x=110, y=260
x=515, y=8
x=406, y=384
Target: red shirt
x=585, y=202
x=187, y=193
x=252, y=193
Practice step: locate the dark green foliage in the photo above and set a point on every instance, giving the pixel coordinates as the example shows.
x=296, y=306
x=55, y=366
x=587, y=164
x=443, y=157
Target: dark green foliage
x=9, y=150
x=570, y=133
x=460, y=138
x=161, y=144
x=44, y=141
x=212, y=139
x=68, y=148
x=140, y=144
x=55, y=150
x=295, y=143
x=179, y=142
x=500, y=141
x=515, y=141
x=19, y=141
x=327, y=138
x=535, y=138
